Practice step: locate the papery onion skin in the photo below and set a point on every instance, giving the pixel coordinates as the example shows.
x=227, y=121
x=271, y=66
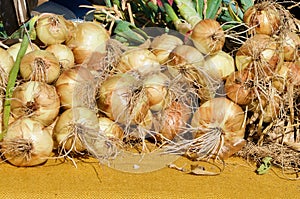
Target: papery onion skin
x=258, y=51
x=14, y=49
x=64, y=55
x=184, y=56
x=208, y=36
x=88, y=38
x=162, y=45
x=140, y=60
x=6, y=61
x=239, y=87
x=291, y=45
x=40, y=65
x=219, y=65
x=75, y=87
x=263, y=17
x=51, y=29
x=226, y=116
x=71, y=127
x=36, y=100
x=27, y=143
x=110, y=128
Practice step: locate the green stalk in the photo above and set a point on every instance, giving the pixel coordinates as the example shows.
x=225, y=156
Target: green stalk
x=212, y=8
x=188, y=12
x=13, y=77
x=200, y=7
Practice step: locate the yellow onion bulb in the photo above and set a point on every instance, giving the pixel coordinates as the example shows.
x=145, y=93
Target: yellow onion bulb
x=51, y=29
x=64, y=55
x=262, y=18
x=156, y=88
x=208, y=36
x=219, y=128
x=259, y=51
x=88, y=39
x=110, y=128
x=239, y=87
x=139, y=60
x=72, y=128
x=219, y=65
x=40, y=65
x=290, y=44
x=36, y=100
x=174, y=120
x=162, y=45
x=183, y=56
x=14, y=49
x=122, y=99
x=27, y=143
x=75, y=87
x=6, y=64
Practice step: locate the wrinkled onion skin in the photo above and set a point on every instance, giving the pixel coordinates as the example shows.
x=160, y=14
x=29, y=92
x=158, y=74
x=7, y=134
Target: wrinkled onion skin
x=264, y=17
x=208, y=36
x=41, y=99
x=34, y=133
x=224, y=114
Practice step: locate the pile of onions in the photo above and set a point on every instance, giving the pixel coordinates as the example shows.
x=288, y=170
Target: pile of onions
x=208, y=36
x=88, y=38
x=40, y=65
x=36, y=100
x=52, y=29
x=263, y=18
x=219, y=129
x=27, y=143
x=76, y=87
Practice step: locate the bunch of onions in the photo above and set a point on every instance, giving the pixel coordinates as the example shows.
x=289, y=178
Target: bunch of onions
x=88, y=38
x=208, y=36
x=72, y=129
x=218, y=129
x=263, y=18
x=122, y=99
x=40, y=65
x=52, y=29
x=174, y=120
x=76, y=87
x=36, y=100
x=219, y=65
x=14, y=49
x=259, y=54
x=156, y=88
x=64, y=55
x=138, y=60
x=239, y=87
x=27, y=143
x=162, y=45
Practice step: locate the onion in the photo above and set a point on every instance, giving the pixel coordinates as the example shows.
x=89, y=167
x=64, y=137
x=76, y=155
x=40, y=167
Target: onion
x=258, y=53
x=140, y=60
x=208, y=36
x=89, y=38
x=51, y=29
x=40, y=65
x=219, y=65
x=122, y=99
x=263, y=18
x=239, y=87
x=219, y=129
x=76, y=87
x=290, y=44
x=110, y=128
x=14, y=49
x=156, y=88
x=6, y=64
x=72, y=129
x=185, y=56
x=27, y=143
x=174, y=120
x=64, y=55
x=162, y=45
x=36, y=100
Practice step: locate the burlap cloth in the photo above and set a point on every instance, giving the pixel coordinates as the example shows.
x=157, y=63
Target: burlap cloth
x=91, y=180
